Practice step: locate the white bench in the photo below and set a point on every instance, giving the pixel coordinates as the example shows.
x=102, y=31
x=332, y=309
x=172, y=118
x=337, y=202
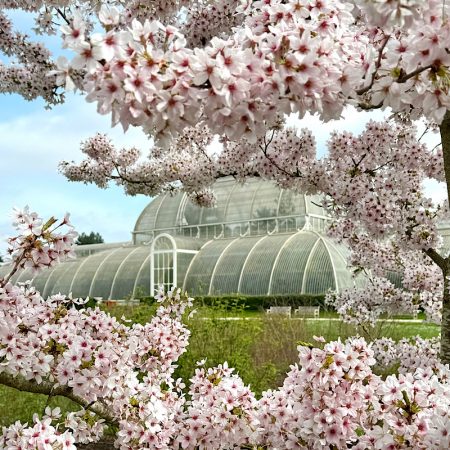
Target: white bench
x=308, y=311
x=280, y=310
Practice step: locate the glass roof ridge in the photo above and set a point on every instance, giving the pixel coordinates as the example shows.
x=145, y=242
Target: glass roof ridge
x=255, y=200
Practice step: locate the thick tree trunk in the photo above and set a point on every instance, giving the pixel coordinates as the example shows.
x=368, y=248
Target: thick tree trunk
x=445, y=326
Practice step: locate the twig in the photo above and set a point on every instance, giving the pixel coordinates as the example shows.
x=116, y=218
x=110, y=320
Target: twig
x=58, y=10
x=377, y=66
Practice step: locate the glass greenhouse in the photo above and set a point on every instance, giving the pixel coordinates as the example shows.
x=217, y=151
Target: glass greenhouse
x=257, y=240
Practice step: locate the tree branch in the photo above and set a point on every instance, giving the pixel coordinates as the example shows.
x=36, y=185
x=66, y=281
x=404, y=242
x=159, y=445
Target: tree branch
x=47, y=388
x=58, y=10
x=377, y=66
x=406, y=77
x=440, y=261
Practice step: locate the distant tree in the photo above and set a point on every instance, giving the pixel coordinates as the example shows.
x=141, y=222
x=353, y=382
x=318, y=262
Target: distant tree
x=91, y=238
x=1, y=259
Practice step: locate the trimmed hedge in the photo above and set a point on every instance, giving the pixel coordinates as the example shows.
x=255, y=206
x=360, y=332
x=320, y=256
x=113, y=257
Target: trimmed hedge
x=255, y=302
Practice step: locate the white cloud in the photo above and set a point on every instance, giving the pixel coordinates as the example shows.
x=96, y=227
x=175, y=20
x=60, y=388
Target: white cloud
x=435, y=190
x=33, y=142
x=43, y=138
x=353, y=121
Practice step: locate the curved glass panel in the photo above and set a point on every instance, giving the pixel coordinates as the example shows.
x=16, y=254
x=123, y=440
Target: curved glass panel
x=339, y=256
x=191, y=214
x=240, y=204
x=199, y=276
x=25, y=275
x=142, y=281
x=217, y=213
x=229, y=267
x=168, y=212
x=291, y=204
x=83, y=278
x=15, y=277
x=41, y=278
x=104, y=276
x=258, y=267
x=64, y=281
x=147, y=219
x=319, y=275
x=126, y=274
x=60, y=269
x=287, y=276
x=183, y=261
x=265, y=203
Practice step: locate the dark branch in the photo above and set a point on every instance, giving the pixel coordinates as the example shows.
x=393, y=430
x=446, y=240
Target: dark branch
x=47, y=388
x=440, y=261
x=377, y=66
x=58, y=10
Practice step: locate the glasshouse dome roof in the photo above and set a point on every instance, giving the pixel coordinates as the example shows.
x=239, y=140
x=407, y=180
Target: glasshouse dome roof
x=258, y=240
x=256, y=200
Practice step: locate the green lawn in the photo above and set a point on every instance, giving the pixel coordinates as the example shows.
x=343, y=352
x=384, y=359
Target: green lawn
x=260, y=348
x=16, y=405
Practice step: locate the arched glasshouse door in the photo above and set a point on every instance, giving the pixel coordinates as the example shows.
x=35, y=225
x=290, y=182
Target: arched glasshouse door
x=163, y=267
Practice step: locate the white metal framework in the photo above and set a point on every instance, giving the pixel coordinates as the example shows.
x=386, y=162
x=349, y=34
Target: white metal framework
x=163, y=266
x=164, y=262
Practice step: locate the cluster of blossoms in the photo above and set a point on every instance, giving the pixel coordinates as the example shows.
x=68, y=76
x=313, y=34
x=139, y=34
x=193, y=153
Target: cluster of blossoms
x=239, y=61
x=366, y=304
x=42, y=435
x=332, y=398
x=324, y=401
x=221, y=412
x=147, y=75
x=29, y=75
x=361, y=172
x=209, y=19
x=281, y=57
x=400, y=281
x=122, y=376
x=118, y=372
x=39, y=244
x=407, y=355
x=356, y=176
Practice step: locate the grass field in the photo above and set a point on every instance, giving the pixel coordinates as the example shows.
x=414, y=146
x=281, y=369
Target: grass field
x=260, y=348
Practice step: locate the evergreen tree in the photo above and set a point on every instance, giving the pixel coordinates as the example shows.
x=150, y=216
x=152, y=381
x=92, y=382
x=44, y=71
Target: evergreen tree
x=91, y=238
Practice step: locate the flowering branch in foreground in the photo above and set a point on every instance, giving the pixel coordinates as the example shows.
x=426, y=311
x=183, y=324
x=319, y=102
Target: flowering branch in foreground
x=122, y=377
x=39, y=244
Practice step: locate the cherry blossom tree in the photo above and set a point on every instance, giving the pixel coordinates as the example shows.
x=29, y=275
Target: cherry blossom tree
x=121, y=376
x=189, y=72
x=186, y=71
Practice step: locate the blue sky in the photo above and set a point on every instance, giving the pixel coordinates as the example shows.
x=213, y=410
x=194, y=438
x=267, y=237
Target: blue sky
x=34, y=140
